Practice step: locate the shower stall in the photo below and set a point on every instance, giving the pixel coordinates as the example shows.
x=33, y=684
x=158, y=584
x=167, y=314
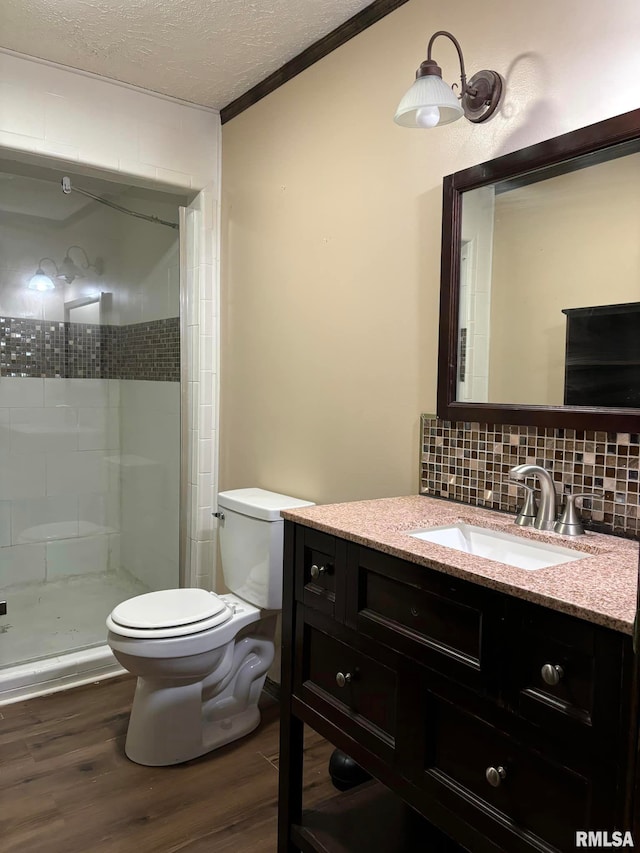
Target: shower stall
x=90, y=415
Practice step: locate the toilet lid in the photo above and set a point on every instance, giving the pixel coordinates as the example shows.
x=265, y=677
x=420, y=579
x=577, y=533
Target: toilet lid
x=168, y=608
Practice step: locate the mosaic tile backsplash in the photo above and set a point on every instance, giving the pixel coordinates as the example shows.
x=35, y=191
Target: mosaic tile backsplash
x=470, y=462
x=49, y=349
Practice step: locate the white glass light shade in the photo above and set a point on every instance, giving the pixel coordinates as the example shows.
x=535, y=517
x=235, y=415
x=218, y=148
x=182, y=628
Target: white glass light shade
x=41, y=282
x=419, y=105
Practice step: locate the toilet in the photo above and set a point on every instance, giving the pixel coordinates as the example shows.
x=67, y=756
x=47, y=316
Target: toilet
x=201, y=659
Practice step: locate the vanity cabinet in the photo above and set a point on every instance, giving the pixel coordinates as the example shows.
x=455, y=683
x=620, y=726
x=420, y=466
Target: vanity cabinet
x=488, y=723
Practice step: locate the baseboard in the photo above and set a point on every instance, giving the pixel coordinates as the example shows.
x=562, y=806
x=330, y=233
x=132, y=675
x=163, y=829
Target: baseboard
x=272, y=689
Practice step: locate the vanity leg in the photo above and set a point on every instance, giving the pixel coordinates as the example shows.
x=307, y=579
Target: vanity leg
x=290, y=782
x=291, y=728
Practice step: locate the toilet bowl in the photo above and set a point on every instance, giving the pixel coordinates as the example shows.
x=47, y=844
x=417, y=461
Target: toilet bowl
x=201, y=659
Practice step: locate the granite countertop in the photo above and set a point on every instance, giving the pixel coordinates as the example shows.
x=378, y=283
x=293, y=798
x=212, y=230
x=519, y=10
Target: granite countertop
x=600, y=588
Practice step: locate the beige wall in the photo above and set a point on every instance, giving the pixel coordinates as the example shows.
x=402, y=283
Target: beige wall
x=331, y=233
x=569, y=242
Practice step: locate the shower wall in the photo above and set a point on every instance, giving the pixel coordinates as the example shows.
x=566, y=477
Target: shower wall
x=148, y=310
x=59, y=496
x=54, y=112
x=89, y=412
x=149, y=476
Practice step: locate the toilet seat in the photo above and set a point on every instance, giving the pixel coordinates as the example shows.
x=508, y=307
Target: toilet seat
x=168, y=613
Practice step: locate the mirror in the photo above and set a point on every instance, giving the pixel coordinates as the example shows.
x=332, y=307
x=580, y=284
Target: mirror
x=540, y=291
x=89, y=309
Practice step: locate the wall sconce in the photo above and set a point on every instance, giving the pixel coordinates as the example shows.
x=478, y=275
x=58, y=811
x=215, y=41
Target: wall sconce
x=69, y=270
x=430, y=101
x=40, y=281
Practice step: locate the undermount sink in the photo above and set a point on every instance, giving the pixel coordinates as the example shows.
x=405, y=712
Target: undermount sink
x=501, y=547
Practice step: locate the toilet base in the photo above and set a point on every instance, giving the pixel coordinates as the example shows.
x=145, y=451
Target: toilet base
x=175, y=720
x=151, y=752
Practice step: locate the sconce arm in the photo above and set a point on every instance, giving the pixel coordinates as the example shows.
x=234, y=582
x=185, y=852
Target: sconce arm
x=40, y=262
x=87, y=263
x=463, y=74
x=97, y=265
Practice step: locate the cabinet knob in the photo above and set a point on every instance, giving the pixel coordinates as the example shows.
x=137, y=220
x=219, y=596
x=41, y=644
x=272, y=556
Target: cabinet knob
x=316, y=571
x=495, y=775
x=551, y=673
x=343, y=678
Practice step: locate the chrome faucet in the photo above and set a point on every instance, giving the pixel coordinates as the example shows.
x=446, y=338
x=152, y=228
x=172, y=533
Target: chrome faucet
x=546, y=517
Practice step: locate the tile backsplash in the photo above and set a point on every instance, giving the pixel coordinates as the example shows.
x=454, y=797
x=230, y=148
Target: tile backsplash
x=470, y=462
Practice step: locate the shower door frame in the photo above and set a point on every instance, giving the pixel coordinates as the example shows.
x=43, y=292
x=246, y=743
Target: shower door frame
x=184, y=560
x=199, y=391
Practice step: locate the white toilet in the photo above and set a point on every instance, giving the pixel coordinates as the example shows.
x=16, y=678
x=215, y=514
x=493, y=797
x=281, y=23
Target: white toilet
x=201, y=658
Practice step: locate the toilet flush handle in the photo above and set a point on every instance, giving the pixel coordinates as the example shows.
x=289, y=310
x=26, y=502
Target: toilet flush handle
x=219, y=515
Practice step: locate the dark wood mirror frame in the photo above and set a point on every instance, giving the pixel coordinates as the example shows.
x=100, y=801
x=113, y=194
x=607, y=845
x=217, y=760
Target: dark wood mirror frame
x=562, y=154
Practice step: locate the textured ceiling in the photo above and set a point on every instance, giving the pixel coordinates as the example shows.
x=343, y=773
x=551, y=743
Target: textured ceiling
x=205, y=51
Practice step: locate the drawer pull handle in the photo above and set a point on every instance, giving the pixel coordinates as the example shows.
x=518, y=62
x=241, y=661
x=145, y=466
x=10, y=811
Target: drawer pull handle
x=551, y=673
x=343, y=678
x=495, y=775
x=316, y=571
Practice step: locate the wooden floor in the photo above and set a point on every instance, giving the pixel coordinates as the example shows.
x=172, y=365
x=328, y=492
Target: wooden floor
x=67, y=787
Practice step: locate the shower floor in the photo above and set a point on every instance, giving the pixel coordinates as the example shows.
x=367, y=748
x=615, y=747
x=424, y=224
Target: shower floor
x=46, y=620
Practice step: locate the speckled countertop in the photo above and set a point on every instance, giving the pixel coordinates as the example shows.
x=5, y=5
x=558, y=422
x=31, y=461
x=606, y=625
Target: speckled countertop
x=601, y=587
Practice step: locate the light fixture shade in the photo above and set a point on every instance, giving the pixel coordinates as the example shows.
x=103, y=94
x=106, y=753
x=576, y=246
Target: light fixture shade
x=41, y=282
x=428, y=94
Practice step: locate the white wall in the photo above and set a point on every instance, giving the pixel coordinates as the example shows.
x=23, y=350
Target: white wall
x=100, y=127
x=79, y=118
x=150, y=260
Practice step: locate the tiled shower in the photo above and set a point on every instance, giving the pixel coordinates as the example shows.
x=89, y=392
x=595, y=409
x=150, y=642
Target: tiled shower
x=89, y=410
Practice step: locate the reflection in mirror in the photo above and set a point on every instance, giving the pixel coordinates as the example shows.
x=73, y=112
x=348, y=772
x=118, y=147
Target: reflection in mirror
x=534, y=255
x=89, y=309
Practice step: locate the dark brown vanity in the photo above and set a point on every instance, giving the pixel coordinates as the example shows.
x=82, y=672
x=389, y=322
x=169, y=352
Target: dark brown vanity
x=490, y=723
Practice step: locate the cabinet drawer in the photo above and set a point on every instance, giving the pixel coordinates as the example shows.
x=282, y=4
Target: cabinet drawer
x=320, y=571
x=533, y=795
x=440, y=621
x=352, y=689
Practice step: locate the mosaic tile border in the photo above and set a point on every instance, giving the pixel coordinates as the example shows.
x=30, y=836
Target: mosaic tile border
x=39, y=348
x=470, y=463
x=150, y=350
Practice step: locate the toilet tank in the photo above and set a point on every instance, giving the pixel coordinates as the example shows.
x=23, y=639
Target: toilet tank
x=251, y=537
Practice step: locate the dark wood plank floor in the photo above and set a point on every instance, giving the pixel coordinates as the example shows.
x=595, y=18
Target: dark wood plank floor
x=66, y=785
